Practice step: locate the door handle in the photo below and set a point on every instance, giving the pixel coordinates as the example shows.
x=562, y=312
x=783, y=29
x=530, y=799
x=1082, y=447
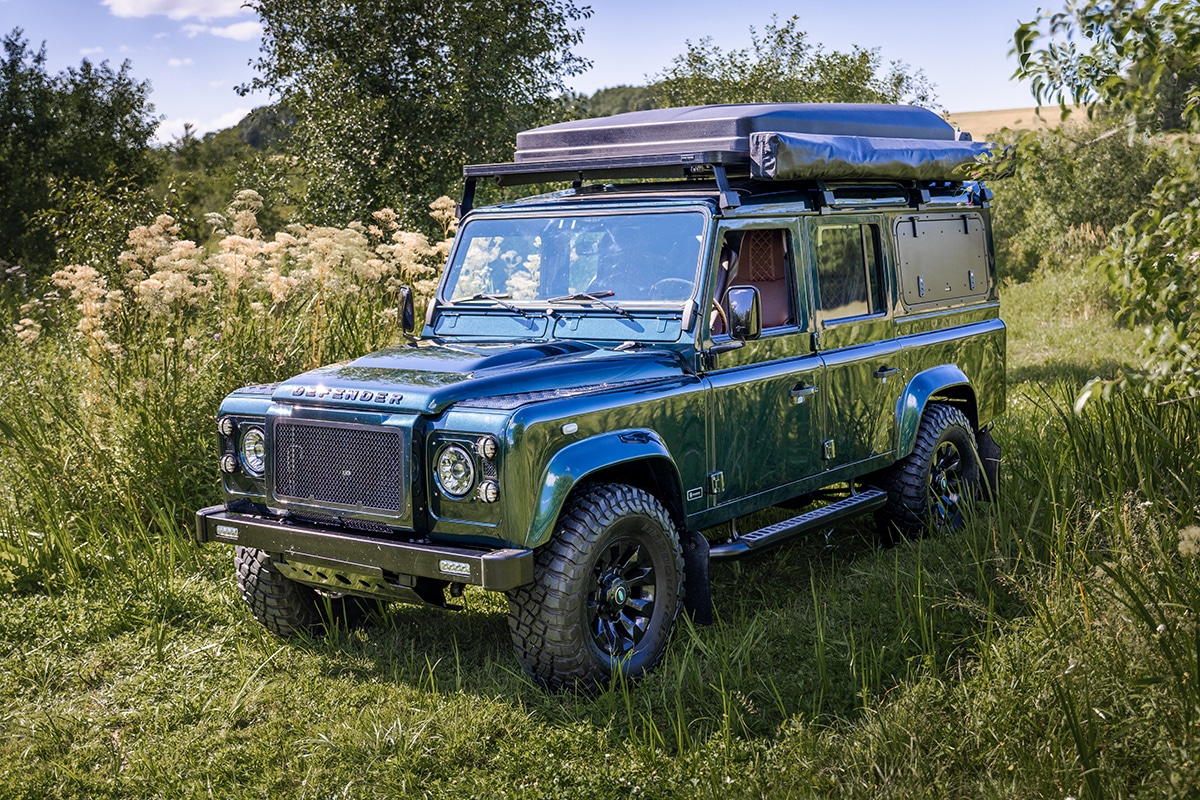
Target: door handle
x=883, y=373
x=801, y=391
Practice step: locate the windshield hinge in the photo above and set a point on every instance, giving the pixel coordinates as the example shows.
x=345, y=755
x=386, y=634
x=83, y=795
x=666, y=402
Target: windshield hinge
x=468, y=198
x=816, y=341
x=729, y=198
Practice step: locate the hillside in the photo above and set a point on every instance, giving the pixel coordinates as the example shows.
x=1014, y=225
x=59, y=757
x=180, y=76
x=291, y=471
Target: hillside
x=980, y=124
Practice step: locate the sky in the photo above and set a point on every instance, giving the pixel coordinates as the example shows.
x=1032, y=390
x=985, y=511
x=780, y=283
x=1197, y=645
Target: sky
x=194, y=52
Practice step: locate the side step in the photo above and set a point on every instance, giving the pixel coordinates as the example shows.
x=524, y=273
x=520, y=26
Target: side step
x=761, y=539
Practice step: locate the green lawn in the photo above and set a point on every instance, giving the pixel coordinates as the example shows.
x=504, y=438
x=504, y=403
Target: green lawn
x=1022, y=657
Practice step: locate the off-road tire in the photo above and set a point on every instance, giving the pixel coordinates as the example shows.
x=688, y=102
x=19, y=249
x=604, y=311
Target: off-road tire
x=287, y=608
x=928, y=488
x=614, y=548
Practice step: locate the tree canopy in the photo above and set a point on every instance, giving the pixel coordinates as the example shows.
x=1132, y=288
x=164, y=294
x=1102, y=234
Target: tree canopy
x=1142, y=58
x=392, y=97
x=783, y=65
x=84, y=133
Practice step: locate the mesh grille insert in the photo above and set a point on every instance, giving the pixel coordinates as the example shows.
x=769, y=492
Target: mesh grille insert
x=354, y=466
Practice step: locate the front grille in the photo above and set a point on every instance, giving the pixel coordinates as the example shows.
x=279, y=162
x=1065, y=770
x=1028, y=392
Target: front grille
x=358, y=466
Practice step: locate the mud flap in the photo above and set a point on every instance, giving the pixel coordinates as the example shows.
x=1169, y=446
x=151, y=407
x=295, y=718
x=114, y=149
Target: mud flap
x=989, y=457
x=697, y=596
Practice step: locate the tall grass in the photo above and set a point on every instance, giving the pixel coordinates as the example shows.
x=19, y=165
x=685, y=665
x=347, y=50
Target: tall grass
x=1049, y=649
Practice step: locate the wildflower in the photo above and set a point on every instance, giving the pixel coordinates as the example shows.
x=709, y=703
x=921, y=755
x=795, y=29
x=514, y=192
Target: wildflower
x=443, y=211
x=1189, y=541
x=27, y=331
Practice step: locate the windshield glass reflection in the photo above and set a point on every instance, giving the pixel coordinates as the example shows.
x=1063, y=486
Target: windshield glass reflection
x=650, y=258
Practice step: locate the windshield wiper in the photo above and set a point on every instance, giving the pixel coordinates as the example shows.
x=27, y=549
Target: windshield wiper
x=590, y=297
x=498, y=299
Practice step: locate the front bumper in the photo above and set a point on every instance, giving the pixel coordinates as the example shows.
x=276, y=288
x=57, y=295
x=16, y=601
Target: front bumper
x=497, y=570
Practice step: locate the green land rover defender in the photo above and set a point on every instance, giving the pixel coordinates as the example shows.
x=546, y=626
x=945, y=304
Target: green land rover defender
x=730, y=308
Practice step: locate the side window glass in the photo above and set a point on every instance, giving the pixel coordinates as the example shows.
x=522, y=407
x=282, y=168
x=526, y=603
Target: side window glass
x=761, y=258
x=849, y=271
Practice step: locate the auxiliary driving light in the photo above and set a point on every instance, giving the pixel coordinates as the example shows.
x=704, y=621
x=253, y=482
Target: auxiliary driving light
x=229, y=464
x=227, y=427
x=489, y=491
x=487, y=447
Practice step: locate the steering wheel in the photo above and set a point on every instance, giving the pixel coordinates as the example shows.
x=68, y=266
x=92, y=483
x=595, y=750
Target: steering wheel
x=670, y=289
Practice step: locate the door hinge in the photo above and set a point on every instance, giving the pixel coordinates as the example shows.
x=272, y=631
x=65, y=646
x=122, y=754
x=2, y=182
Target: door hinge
x=716, y=483
x=816, y=341
x=828, y=450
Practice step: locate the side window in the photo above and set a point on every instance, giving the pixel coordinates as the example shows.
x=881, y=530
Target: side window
x=761, y=258
x=849, y=271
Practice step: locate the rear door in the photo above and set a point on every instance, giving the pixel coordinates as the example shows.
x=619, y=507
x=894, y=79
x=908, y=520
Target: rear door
x=854, y=301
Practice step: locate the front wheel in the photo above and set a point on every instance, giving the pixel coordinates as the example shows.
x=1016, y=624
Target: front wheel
x=287, y=608
x=605, y=591
x=930, y=487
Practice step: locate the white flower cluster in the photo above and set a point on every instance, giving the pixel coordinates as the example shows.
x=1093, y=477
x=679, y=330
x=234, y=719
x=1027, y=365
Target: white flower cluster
x=166, y=283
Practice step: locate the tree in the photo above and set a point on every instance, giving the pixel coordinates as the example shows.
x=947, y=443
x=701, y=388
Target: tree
x=1140, y=57
x=82, y=136
x=782, y=65
x=392, y=97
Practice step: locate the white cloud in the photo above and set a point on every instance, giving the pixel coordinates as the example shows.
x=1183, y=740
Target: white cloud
x=241, y=31
x=171, y=129
x=176, y=9
x=161, y=35
x=179, y=62
x=90, y=51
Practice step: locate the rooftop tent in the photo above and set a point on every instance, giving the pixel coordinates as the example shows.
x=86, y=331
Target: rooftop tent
x=724, y=127
x=766, y=141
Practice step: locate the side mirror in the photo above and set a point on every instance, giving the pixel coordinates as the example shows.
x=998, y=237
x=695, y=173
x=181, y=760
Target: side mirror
x=745, y=313
x=407, y=309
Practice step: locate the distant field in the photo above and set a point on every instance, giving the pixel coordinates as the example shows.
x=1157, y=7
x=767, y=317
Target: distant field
x=982, y=123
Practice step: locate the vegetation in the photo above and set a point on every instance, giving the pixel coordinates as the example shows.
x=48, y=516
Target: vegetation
x=1069, y=189
x=1143, y=59
x=783, y=65
x=1048, y=650
x=1045, y=651
x=392, y=97
x=73, y=146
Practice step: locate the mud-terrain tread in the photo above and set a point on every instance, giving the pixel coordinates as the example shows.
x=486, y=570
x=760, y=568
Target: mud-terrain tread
x=554, y=649
x=907, y=508
x=284, y=607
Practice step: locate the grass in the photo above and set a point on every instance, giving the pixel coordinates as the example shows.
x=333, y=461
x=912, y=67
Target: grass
x=1048, y=650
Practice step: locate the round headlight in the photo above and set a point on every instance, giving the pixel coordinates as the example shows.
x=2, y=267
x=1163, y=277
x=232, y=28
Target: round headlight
x=254, y=451
x=455, y=471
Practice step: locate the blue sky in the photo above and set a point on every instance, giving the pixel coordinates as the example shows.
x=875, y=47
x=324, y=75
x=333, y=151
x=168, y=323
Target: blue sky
x=194, y=52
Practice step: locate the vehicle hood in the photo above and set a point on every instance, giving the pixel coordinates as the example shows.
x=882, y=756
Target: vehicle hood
x=426, y=377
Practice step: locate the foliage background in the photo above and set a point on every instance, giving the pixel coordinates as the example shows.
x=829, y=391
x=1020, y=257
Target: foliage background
x=1049, y=650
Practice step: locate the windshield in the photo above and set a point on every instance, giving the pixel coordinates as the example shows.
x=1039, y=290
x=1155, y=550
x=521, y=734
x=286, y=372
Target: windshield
x=626, y=257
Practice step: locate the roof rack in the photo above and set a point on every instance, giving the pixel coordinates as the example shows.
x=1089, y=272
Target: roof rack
x=765, y=141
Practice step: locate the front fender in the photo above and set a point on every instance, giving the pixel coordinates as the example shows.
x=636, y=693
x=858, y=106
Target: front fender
x=575, y=462
x=912, y=402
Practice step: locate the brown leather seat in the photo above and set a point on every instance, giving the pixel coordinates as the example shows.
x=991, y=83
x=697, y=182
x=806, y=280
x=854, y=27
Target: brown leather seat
x=762, y=264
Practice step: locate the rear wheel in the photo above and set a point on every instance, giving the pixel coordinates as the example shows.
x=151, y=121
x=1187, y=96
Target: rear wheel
x=605, y=594
x=929, y=488
x=287, y=608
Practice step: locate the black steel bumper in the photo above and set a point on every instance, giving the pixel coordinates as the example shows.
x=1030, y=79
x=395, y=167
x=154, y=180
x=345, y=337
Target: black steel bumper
x=497, y=570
